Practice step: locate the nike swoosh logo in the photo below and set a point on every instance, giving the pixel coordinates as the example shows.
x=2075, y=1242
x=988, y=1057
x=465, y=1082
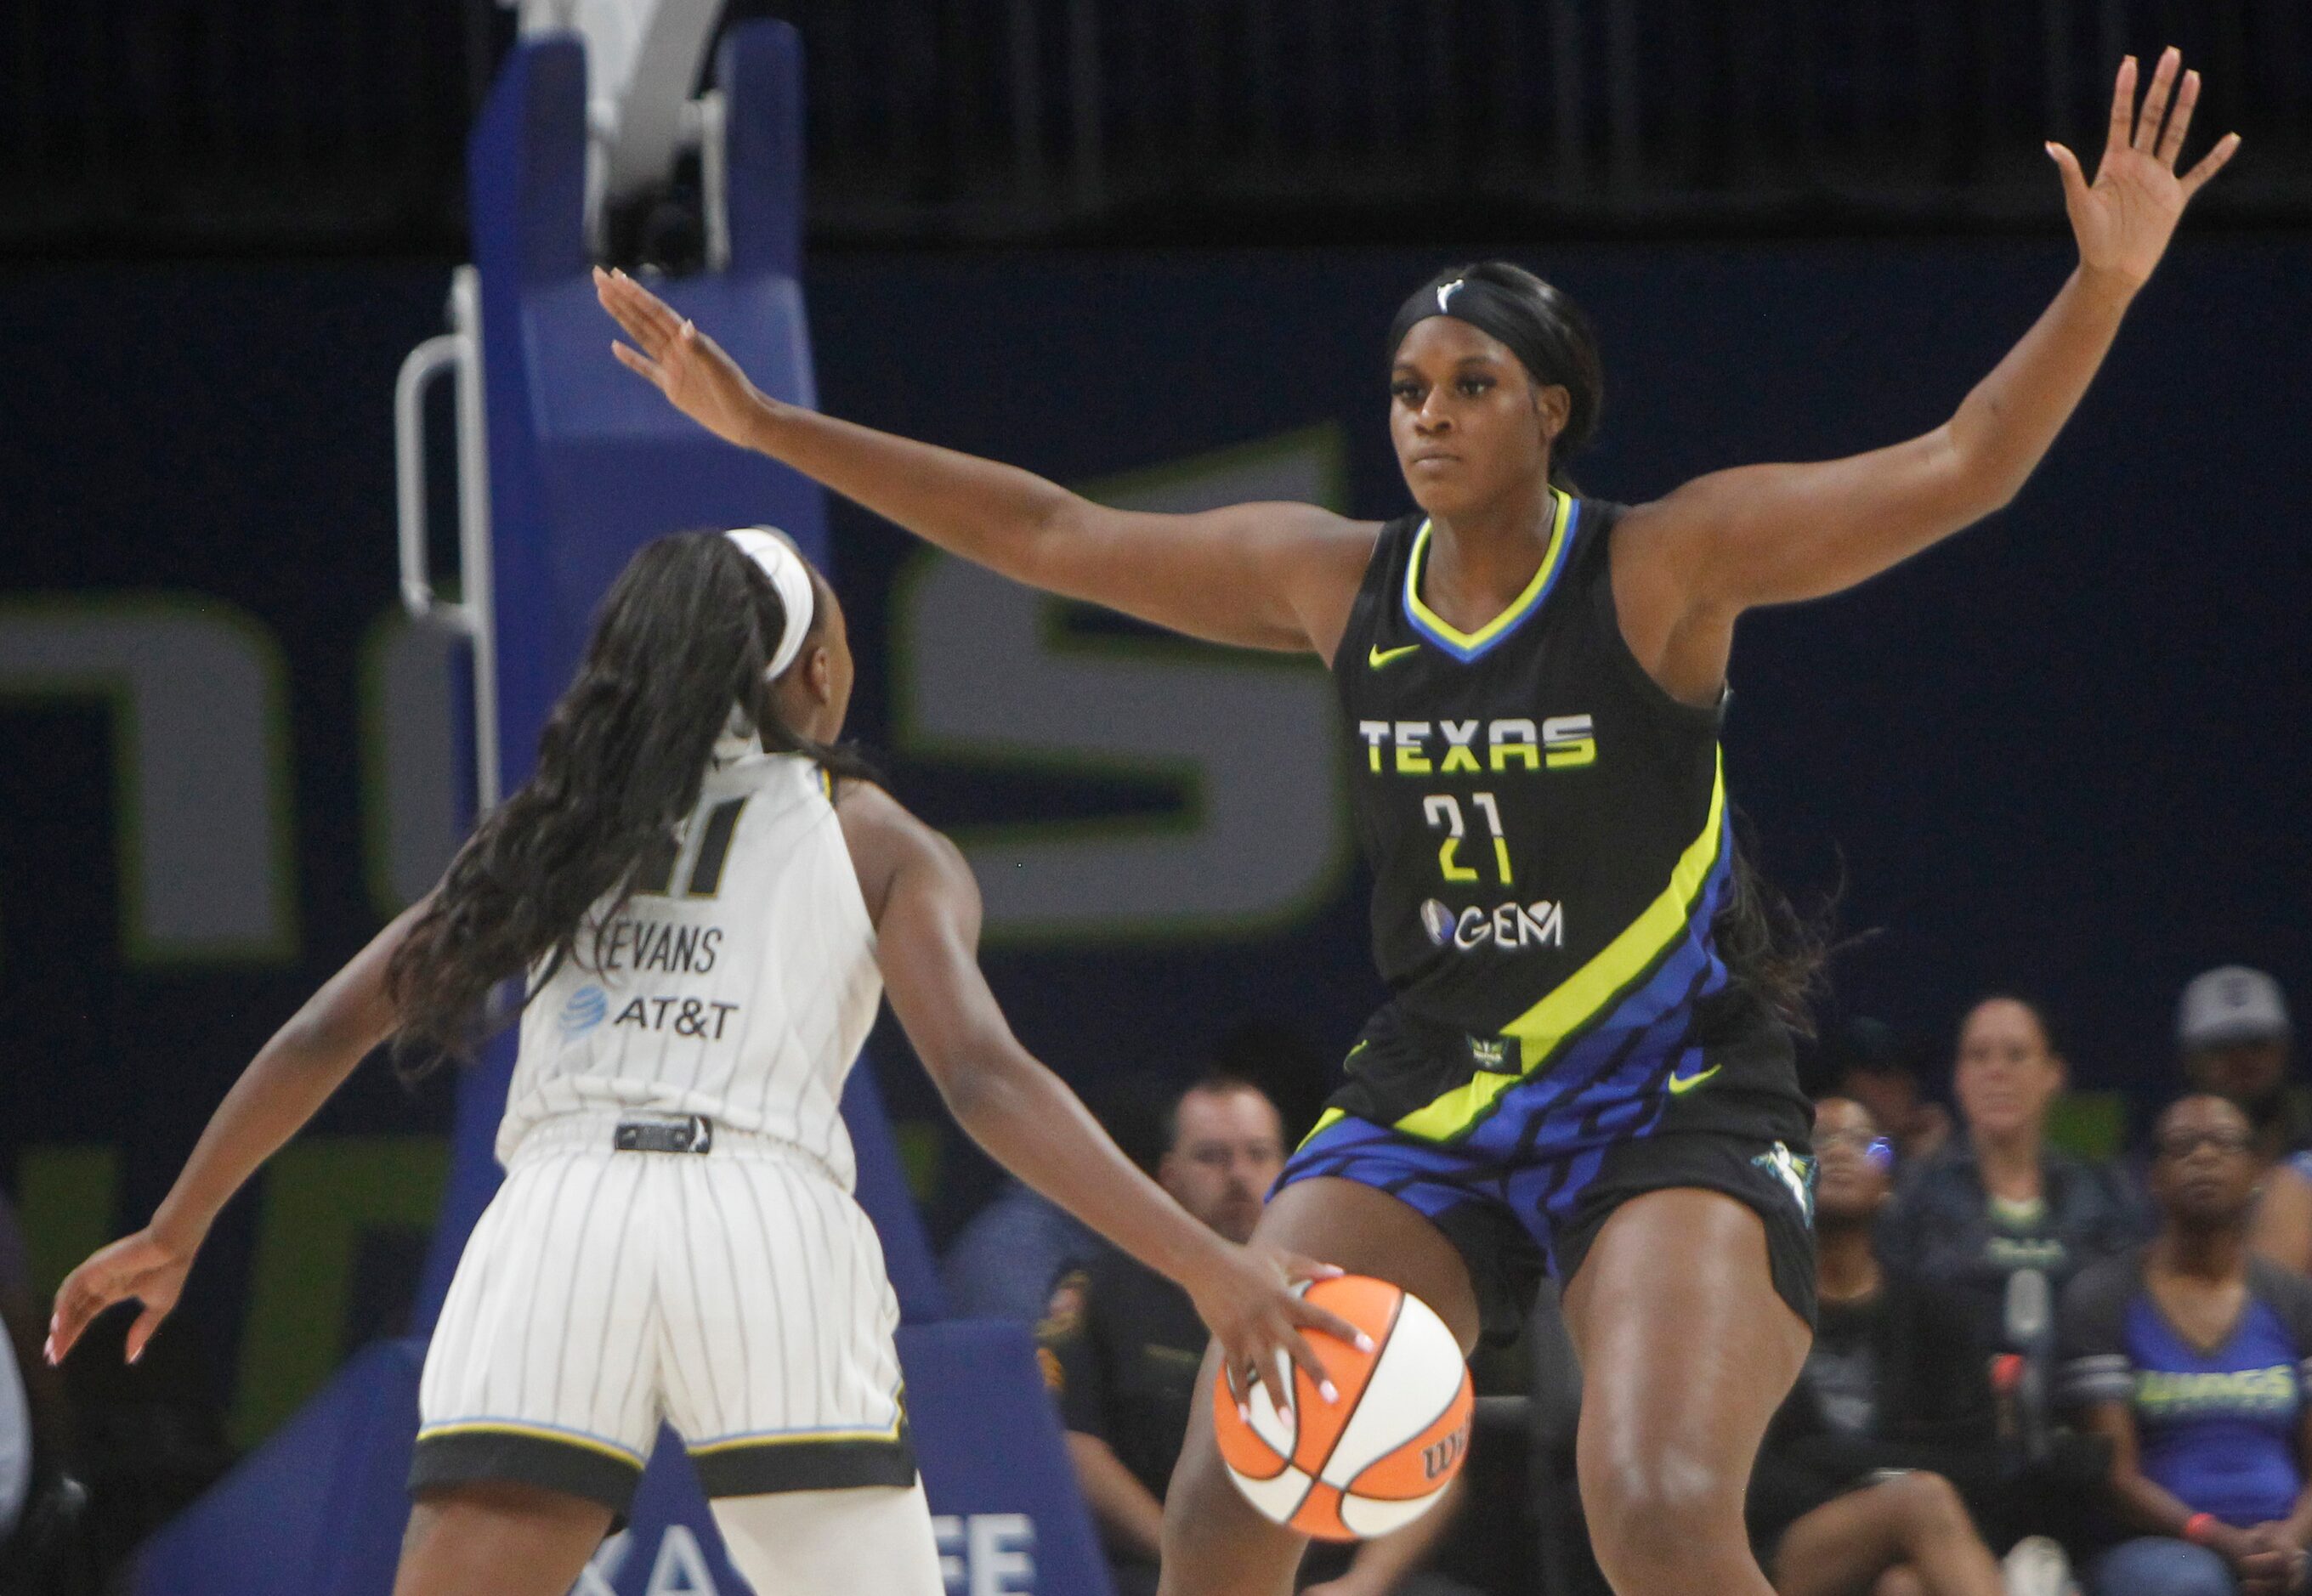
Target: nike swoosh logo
x=1680, y=1084
x=1378, y=656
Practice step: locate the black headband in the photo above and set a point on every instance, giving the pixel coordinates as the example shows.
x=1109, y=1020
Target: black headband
x=1489, y=308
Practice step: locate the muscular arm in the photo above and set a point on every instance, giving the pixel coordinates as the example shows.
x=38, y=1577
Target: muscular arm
x=1687, y=565
x=927, y=929
x=283, y=1087
x=1263, y=576
x=925, y=906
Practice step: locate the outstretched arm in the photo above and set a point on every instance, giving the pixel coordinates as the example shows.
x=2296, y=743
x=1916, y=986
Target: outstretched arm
x=925, y=905
x=1262, y=576
x=283, y=1087
x=1686, y=566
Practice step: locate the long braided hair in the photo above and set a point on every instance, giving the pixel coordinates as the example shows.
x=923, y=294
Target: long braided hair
x=677, y=654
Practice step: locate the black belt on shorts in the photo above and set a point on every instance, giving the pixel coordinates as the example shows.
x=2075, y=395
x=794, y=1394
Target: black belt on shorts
x=692, y=1133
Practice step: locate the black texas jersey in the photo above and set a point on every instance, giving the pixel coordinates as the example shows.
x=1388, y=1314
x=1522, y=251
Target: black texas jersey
x=1546, y=827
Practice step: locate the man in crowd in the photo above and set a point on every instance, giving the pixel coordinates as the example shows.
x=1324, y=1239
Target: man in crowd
x=1122, y=1346
x=2232, y=1034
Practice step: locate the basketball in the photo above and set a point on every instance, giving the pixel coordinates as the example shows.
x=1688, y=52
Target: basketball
x=1382, y=1454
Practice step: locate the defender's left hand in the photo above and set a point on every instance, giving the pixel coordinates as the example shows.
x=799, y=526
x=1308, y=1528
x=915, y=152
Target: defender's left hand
x=2125, y=219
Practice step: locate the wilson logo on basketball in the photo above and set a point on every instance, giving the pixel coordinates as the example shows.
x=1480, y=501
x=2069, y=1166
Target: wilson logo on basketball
x=1442, y=1460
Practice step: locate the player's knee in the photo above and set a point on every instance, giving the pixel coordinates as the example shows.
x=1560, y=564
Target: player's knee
x=1666, y=1522
x=1902, y=1579
x=1927, y=1507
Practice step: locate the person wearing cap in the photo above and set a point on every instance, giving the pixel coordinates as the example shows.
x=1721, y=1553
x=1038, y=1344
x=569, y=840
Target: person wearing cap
x=2233, y=1034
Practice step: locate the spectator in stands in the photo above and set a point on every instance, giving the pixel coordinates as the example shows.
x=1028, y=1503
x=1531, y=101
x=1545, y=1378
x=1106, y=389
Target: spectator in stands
x=1999, y=1200
x=2189, y=1354
x=1861, y=1483
x=1877, y=1068
x=2233, y=1032
x=1122, y=1345
x=1003, y=1263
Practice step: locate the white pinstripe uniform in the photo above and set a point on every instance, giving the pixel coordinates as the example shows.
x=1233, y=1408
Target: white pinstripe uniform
x=740, y=1295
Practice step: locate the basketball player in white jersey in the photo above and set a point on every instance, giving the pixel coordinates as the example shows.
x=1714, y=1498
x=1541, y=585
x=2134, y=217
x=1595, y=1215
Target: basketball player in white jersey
x=708, y=902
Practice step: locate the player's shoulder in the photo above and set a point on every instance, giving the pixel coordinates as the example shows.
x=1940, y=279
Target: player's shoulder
x=886, y=839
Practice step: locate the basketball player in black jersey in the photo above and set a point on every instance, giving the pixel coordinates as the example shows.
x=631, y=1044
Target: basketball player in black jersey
x=1581, y=1066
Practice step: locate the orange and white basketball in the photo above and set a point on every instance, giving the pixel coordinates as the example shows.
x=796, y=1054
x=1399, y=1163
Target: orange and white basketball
x=1382, y=1454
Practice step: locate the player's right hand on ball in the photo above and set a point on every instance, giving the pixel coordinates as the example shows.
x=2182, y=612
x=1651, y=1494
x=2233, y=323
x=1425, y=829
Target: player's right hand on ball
x=141, y=1266
x=1247, y=1297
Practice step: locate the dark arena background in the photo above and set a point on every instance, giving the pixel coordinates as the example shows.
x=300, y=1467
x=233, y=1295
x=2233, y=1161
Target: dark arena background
x=1149, y=251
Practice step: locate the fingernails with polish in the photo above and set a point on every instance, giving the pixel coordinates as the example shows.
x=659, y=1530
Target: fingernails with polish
x=1244, y=1412
x=1326, y=1390
x=1364, y=1342
x=48, y=1351
x=136, y=1355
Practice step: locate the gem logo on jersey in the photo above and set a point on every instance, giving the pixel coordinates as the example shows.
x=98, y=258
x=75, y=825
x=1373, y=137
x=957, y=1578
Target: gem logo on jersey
x=588, y=1007
x=1505, y=924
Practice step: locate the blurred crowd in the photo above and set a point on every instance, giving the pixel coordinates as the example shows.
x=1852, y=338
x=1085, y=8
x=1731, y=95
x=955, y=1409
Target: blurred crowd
x=2039, y=1368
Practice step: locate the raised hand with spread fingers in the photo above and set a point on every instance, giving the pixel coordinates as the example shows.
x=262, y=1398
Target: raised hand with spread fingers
x=2125, y=218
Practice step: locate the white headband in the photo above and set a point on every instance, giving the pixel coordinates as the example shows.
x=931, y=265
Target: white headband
x=791, y=580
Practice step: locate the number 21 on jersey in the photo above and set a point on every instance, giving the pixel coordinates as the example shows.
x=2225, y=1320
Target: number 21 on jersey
x=1442, y=810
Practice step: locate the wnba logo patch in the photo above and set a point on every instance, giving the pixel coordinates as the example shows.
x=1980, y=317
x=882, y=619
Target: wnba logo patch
x=588, y=1007
x=1795, y=1172
x=1437, y=920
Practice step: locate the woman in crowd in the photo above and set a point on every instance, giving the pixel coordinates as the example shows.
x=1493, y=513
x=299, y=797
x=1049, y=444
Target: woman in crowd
x=1999, y=1200
x=2189, y=1356
x=1860, y=1486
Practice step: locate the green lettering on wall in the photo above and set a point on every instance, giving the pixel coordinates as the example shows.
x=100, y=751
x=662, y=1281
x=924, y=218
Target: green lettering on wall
x=65, y=1195
x=321, y=1196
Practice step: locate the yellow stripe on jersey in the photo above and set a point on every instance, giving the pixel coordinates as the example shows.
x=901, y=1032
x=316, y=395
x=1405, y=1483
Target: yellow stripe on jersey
x=1552, y=557
x=1325, y=1121
x=800, y=1438
x=1582, y=997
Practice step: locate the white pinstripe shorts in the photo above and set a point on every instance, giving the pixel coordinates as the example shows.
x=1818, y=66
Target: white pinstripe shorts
x=737, y=1294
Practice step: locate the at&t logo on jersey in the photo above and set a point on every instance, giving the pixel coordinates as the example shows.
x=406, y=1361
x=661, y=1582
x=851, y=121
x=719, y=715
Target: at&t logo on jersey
x=1505, y=924
x=588, y=1007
